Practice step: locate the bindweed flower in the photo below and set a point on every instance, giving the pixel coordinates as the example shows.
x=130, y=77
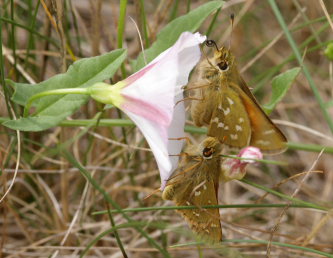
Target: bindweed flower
x=148, y=98
x=236, y=168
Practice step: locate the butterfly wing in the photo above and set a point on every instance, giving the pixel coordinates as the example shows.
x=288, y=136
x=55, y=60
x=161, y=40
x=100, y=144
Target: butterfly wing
x=238, y=121
x=265, y=134
x=202, y=109
x=229, y=121
x=198, y=187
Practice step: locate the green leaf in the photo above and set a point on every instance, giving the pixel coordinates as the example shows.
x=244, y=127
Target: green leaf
x=171, y=32
x=51, y=110
x=329, y=51
x=280, y=86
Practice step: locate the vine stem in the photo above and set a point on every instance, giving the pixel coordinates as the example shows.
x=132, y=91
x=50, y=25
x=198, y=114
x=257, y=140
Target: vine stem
x=53, y=92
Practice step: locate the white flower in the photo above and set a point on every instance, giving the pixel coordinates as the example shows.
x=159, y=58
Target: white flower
x=148, y=97
x=236, y=168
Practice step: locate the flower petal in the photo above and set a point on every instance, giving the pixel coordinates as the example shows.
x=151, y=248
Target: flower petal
x=151, y=90
x=235, y=168
x=251, y=153
x=232, y=169
x=150, y=96
x=175, y=130
x=155, y=135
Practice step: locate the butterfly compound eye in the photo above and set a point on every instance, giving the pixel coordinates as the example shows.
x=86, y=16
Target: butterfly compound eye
x=211, y=43
x=207, y=152
x=223, y=66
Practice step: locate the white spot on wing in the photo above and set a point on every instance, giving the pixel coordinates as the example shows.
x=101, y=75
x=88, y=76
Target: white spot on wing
x=197, y=193
x=226, y=127
x=241, y=119
x=220, y=124
x=269, y=132
x=220, y=107
x=204, y=187
x=262, y=142
x=239, y=128
x=215, y=120
x=231, y=102
x=188, y=203
x=234, y=136
x=226, y=111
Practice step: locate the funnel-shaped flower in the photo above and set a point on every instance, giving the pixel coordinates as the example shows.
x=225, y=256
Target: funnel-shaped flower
x=148, y=97
x=236, y=168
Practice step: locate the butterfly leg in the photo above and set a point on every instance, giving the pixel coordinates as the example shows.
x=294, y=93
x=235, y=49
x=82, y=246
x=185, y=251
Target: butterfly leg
x=197, y=86
x=188, y=98
x=182, y=172
x=194, y=87
x=187, y=139
x=149, y=195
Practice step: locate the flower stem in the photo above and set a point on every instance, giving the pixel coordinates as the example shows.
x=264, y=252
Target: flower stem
x=274, y=162
x=53, y=92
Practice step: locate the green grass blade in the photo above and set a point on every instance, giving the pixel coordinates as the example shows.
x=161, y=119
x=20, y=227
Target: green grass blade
x=305, y=249
x=121, y=29
x=225, y=206
x=298, y=56
x=171, y=32
x=107, y=197
x=284, y=196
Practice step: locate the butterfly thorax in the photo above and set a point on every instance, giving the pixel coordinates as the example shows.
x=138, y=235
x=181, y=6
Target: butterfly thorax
x=225, y=65
x=220, y=70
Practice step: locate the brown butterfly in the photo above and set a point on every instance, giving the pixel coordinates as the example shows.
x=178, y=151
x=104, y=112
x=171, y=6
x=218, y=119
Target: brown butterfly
x=195, y=182
x=228, y=107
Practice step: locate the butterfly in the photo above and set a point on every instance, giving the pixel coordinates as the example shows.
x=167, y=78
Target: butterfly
x=228, y=107
x=195, y=182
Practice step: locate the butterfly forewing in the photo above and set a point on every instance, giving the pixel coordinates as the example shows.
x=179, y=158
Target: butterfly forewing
x=229, y=108
x=205, y=222
x=265, y=135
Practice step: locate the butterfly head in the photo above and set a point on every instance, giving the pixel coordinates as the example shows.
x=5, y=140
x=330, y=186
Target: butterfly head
x=210, y=148
x=223, y=59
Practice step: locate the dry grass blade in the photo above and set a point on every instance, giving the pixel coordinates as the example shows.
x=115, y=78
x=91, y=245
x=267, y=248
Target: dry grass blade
x=298, y=188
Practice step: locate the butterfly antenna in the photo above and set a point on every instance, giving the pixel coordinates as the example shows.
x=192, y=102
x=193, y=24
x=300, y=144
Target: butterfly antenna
x=154, y=192
x=232, y=18
x=209, y=43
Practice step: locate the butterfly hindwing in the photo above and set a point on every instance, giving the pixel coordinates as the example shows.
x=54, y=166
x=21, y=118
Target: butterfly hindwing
x=202, y=109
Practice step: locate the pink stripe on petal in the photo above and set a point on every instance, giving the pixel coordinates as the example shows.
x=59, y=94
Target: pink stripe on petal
x=146, y=110
x=129, y=80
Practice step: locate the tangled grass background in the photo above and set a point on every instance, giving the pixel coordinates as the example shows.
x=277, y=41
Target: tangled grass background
x=70, y=175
